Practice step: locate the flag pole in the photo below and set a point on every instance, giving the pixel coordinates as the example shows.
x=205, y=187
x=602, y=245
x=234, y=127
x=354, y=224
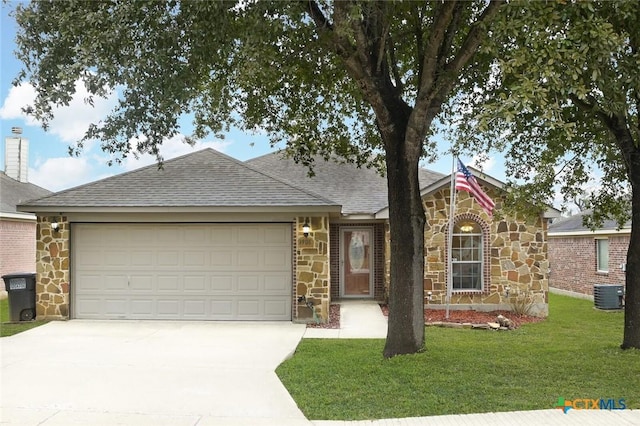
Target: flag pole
x=452, y=207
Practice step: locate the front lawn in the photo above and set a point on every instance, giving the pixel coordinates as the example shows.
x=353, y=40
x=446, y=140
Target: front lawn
x=573, y=354
x=9, y=329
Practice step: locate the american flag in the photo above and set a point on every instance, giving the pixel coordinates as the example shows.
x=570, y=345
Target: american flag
x=466, y=182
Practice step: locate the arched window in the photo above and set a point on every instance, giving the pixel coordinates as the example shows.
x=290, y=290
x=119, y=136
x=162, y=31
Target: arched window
x=466, y=255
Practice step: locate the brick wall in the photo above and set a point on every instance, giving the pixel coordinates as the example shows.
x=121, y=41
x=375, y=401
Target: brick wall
x=573, y=262
x=17, y=247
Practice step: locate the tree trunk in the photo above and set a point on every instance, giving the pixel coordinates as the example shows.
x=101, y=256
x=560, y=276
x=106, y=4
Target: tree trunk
x=631, y=337
x=405, y=333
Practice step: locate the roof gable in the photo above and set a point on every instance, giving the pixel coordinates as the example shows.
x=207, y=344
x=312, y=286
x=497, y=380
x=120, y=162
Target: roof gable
x=201, y=179
x=14, y=193
x=359, y=190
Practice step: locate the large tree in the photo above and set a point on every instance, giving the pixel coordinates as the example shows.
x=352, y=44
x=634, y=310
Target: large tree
x=352, y=78
x=563, y=101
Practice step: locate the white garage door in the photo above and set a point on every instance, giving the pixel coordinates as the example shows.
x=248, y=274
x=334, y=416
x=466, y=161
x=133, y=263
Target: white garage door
x=182, y=272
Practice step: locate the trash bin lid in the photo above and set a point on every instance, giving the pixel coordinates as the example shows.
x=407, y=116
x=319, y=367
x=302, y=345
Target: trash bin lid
x=18, y=275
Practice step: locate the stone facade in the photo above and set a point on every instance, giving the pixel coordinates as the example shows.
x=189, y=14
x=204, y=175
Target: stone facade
x=52, y=269
x=514, y=260
x=515, y=264
x=312, y=283
x=573, y=261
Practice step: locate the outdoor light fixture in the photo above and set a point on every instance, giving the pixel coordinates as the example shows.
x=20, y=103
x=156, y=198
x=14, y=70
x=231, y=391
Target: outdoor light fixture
x=306, y=229
x=467, y=227
x=507, y=289
x=55, y=225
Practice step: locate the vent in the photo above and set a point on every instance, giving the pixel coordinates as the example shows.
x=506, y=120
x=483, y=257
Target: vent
x=608, y=296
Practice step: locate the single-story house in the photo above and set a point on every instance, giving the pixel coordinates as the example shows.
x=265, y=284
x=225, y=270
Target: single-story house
x=581, y=258
x=17, y=229
x=212, y=238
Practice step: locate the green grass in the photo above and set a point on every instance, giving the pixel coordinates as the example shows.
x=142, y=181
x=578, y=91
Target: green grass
x=9, y=329
x=573, y=354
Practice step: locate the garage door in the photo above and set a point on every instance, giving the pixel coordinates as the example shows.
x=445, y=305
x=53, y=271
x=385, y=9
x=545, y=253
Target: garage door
x=182, y=272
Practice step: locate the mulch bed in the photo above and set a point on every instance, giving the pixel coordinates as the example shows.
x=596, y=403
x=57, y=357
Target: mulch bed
x=472, y=317
x=438, y=316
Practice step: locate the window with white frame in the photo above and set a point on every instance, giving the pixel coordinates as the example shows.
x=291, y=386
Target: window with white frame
x=466, y=256
x=602, y=255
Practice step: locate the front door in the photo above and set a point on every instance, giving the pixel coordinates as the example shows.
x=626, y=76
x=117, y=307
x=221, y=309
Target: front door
x=356, y=260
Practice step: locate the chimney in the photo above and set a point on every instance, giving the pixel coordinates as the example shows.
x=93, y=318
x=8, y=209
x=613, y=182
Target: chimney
x=16, y=156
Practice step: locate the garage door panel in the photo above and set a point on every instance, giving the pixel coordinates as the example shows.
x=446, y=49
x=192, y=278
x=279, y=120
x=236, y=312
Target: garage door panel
x=142, y=308
x=195, y=258
x=115, y=282
x=90, y=308
x=143, y=258
x=215, y=272
x=168, y=308
x=220, y=258
x=276, y=236
x=275, y=308
x=221, y=283
x=249, y=235
x=195, y=283
x=248, y=308
x=168, y=283
x=195, y=308
x=249, y=259
x=277, y=258
x=222, y=309
x=248, y=283
x=221, y=237
x=141, y=283
x=276, y=284
x=117, y=307
x=168, y=259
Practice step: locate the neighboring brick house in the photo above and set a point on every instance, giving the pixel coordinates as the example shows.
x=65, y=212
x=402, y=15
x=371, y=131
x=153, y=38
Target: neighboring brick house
x=17, y=229
x=208, y=237
x=581, y=258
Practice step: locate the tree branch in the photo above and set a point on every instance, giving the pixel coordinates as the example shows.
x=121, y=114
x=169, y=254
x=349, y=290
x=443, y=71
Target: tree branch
x=441, y=20
x=321, y=21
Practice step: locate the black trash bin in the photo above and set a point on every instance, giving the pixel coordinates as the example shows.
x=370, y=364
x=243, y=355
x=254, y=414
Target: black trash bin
x=21, y=289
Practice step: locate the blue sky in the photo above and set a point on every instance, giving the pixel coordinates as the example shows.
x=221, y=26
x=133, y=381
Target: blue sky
x=51, y=167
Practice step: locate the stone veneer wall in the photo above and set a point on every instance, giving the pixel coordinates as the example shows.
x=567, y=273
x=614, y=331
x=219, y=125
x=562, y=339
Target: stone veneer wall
x=515, y=254
x=312, y=269
x=52, y=269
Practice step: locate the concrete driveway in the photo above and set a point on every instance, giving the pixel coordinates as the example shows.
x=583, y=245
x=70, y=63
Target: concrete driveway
x=148, y=373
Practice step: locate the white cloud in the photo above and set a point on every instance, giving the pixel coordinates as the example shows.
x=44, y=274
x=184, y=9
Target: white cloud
x=56, y=174
x=70, y=122
x=172, y=148
x=483, y=162
x=17, y=98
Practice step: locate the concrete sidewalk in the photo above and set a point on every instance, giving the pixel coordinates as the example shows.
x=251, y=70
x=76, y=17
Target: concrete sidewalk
x=514, y=418
x=364, y=320
x=359, y=319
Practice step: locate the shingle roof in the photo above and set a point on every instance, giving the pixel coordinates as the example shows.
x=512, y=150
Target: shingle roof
x=574, y=224
x=204, y=178
x=13, y=193
x=358, y=190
